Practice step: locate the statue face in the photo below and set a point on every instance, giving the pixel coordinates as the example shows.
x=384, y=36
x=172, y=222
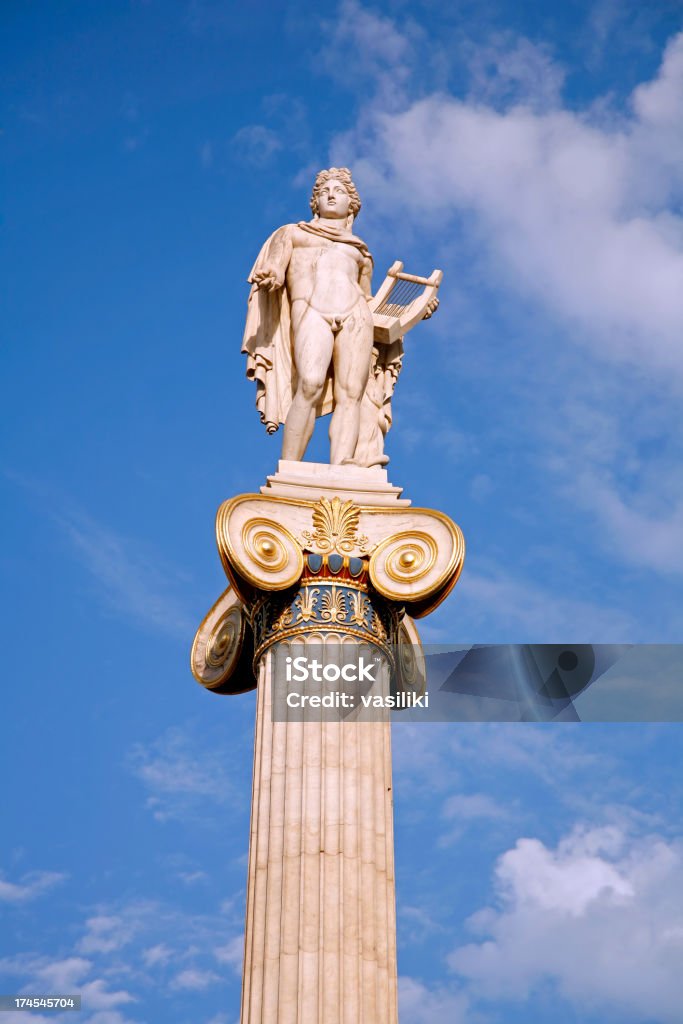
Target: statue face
x=334, y=200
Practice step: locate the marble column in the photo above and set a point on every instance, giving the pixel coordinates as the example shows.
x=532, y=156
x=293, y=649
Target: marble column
x=320, y=943
x=331, y=557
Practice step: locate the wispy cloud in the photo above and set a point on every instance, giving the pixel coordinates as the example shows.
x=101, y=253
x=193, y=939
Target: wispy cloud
x=474, y=807
x=509, y=67
x=132, y=579
x=256, y=144
x=105, y=933
x=422, y=1004
x=498, y=608
x=194, y=980
x=182, y=777
x=30, y=886
x=129, y=955
x=232, y=953
x=69, y=975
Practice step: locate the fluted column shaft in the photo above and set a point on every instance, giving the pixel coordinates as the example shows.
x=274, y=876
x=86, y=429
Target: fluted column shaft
x=320, y=939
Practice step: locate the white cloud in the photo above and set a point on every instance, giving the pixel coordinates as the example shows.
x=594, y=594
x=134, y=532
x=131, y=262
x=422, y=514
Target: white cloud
x=564, y=203
x=181, y=777
x=419, y=1004
x=30, y=886
x=192, y=877
x=256, y=144
x=158, y=955
x=509, y=67
x=643, y=536
x=513, y=610
x=232, y=953
x=473, y=806
x=601, y=916
x=660, y=102
x=367, y=47
x=69, y=976
x=573, y=212
x=108, y=1017
x=131, y=579
x=194, y=980
x=96, y=996
x=139, y=929
x=415, y=925
x=105, y=933
x=61, y=975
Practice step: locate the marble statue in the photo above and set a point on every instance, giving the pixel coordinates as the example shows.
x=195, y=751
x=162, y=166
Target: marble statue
x=316, y=341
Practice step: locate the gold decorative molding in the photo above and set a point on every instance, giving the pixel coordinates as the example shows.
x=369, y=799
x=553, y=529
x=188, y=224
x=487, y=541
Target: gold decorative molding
x=305, y=602
x=220, y=647
x=410, y=660
x=263, y=544
x=333, y=605
x=256, y=550
x=335, y=528
x=412, y=568
x=412, y=556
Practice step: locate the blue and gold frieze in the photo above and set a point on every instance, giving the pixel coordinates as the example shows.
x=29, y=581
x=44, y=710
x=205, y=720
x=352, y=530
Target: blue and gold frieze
x=334, y=597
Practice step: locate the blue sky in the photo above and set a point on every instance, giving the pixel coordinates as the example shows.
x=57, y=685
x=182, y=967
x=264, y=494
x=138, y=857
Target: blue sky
x=534, y=152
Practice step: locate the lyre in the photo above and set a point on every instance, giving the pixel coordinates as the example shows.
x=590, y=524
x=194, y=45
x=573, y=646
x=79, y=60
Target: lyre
x=401, y=302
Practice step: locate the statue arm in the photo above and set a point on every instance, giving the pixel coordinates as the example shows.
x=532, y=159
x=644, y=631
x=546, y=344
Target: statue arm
x=270, y=268
x=365, y=280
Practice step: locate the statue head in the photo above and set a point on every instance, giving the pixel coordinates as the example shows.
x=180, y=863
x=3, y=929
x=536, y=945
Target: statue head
x=335, y=196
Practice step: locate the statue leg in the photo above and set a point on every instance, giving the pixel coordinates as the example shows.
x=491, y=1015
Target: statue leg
x=352, y=355
x=370, y=448
x=313, y=343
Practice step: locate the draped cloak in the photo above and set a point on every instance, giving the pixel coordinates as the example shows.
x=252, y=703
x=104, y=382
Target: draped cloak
x=268, y=342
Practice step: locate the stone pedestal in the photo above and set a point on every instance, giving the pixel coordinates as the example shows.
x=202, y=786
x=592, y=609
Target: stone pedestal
x=318, y=479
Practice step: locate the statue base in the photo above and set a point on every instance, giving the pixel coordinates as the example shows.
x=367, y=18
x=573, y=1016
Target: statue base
x=314, y=480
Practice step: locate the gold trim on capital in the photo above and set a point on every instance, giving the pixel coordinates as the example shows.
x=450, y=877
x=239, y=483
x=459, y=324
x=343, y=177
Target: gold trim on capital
x=422, y=599
x=219, y=641
x=263, y=545
x=427, y=607
x=411, y=560
x=226, y=636
x=335, y=528
x=326, y=631
x=410, y=661
x=261, y=555
x=342, y=581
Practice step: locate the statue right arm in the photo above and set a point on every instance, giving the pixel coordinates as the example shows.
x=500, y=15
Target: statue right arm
x=271, y=266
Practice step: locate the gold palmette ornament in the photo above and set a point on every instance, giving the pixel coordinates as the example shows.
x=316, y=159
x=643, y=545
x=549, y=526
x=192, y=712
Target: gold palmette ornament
x=335, y=528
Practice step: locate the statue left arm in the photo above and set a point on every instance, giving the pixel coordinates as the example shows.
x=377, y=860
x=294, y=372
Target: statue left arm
x=365, y=279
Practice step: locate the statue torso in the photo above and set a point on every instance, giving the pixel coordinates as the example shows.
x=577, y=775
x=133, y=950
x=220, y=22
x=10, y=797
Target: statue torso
x=324, y=273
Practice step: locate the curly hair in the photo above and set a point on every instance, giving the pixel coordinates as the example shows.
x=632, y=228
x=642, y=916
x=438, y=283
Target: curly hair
x=342, y=174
